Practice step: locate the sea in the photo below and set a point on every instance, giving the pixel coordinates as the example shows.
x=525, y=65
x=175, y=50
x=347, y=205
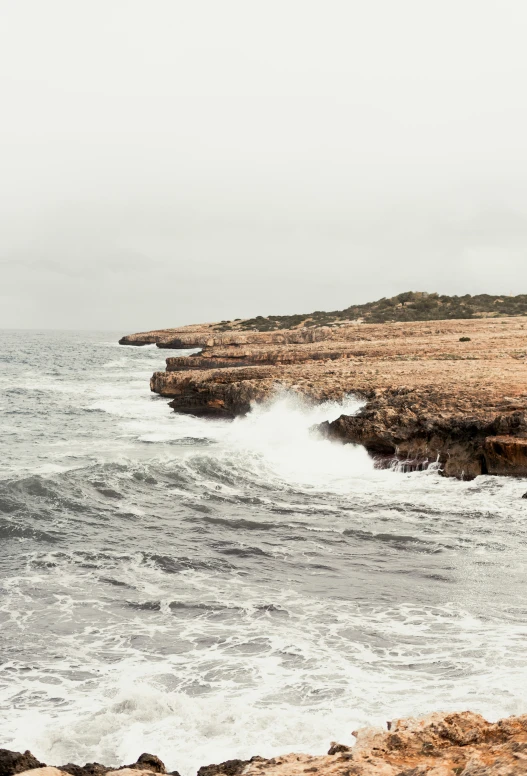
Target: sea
x=210, y=589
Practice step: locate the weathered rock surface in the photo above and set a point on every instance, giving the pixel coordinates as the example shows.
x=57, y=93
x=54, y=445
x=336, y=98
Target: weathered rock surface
x=438, y=745
x=209, y=335
x=171, y=338
x=17, y=762
x=228, y=768
x=429, y=395
x=14, y=762
x=47, y=770
x=462, y=744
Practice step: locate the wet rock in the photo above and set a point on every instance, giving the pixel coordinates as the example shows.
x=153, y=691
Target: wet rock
x=505, y=454
x=228, y=768
x=90, y=769
x=338, y=748
x=149, y=762
x=417, y=427
x=17, y=762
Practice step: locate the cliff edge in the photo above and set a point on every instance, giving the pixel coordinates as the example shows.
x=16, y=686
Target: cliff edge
x=452, y=391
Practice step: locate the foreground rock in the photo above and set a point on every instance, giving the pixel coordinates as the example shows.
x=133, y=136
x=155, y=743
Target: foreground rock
x=12, y=763
x=451, y=391
x=17, y=762
x=462, y=744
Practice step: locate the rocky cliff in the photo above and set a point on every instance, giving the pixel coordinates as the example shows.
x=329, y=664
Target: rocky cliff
x=462, y=744
x=451, y=391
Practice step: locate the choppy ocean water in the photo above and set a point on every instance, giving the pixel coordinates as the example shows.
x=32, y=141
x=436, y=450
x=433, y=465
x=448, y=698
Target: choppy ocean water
x=209, y=589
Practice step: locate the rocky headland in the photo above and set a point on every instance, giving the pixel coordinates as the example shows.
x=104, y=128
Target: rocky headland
x=463, y=744
x=451, y=391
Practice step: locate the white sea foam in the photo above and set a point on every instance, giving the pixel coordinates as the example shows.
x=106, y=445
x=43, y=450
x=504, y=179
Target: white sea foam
x=311, y=681
x=283, y=432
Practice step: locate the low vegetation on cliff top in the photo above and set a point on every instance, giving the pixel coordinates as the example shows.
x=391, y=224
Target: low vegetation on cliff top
x=409, y=306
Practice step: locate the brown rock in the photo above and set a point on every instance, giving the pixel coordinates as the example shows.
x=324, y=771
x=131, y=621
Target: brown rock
x=146, y=764
x=17, y=762
x=506, y=453
x=437, y=745
x=338, y=748
x=90, y=769
x=428, y=396
x=228, y=768
x=149, y=762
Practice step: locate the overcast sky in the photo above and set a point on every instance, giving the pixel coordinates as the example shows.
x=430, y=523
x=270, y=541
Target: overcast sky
x=171, y=161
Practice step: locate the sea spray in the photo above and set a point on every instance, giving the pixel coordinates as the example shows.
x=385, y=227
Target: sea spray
x=283, y=433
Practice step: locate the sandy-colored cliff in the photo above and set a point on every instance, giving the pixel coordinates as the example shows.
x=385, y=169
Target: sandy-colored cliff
x=449, y=390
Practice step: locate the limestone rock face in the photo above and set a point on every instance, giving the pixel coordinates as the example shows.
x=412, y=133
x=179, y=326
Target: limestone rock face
x=209, y=335
x=429, y=395
x=228, y=768
x=503, y=453
x=171, y=337
x=417, y=427
x=438, y=745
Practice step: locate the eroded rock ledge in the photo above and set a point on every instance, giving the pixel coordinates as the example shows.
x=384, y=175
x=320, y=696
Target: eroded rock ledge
x=451, y=391
x=463, y=744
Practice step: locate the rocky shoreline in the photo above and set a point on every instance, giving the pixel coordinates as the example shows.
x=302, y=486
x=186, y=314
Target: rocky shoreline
x=463, y=744
x=452, y=392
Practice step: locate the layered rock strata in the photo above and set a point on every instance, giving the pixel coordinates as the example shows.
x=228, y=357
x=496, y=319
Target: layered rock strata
x=448, y=391
x=462, y=744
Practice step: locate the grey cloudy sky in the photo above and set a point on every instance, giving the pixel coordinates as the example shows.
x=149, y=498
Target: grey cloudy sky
x=170, y=161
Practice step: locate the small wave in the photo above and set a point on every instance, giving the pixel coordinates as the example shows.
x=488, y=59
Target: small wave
x=8, y=505
x=178, y=442
x=109, y=493
x=398, y=541
x=145, y=606
x=176, y=565
x=239, y=551
x=12, y=530
x=115, y=582
x=272, y=609
x=236, y=524
x=202, y=607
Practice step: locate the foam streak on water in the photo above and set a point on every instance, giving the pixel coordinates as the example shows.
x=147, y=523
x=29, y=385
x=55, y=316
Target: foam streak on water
x=210, y=589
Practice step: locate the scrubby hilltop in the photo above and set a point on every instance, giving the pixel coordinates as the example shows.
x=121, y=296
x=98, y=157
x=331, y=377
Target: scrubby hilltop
x=408, y=306
x=403, y=308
